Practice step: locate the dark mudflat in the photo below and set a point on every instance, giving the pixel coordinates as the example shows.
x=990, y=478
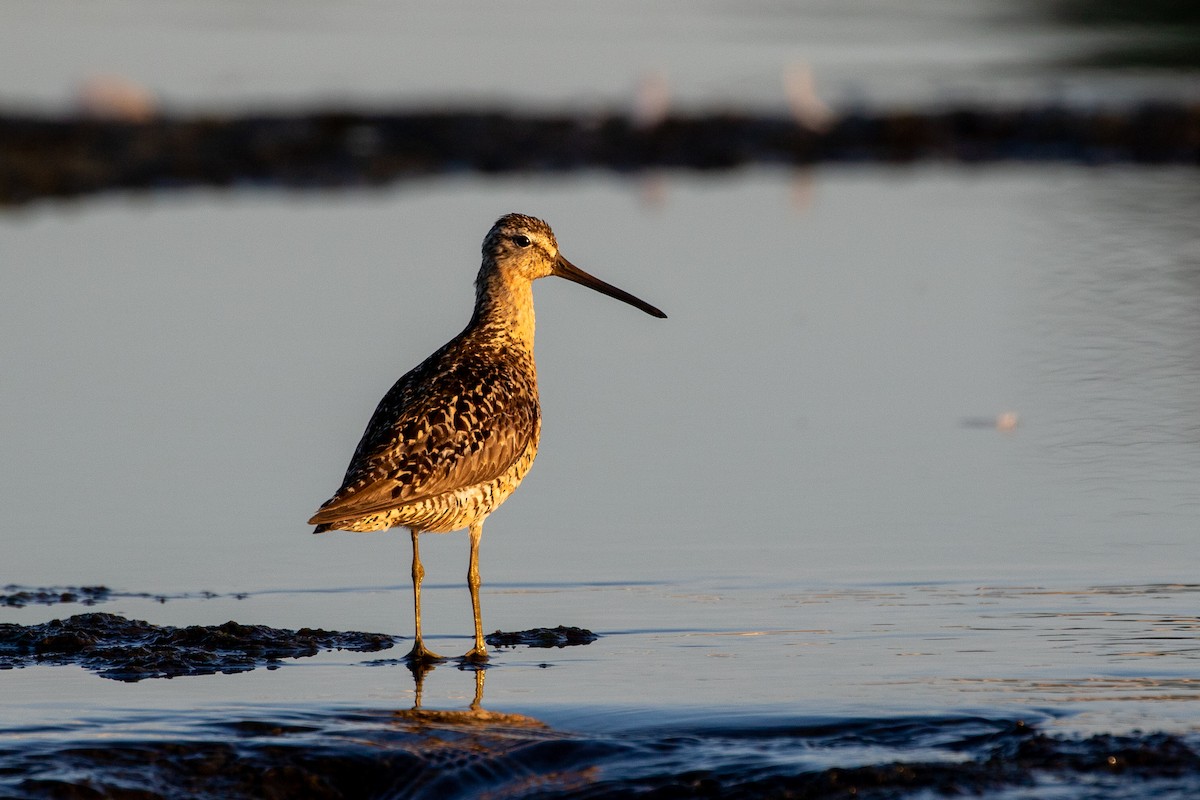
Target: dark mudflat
x=562, y=636
x=131, y=650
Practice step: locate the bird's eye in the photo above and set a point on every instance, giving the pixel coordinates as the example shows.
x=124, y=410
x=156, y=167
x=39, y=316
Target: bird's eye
x=521, y=240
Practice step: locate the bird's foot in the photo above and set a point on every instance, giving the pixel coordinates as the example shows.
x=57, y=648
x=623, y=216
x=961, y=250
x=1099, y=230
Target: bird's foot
x=420, y=654
x=476, y=655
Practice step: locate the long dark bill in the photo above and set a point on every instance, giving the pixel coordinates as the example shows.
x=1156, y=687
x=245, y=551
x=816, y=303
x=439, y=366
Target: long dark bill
x=565, y=269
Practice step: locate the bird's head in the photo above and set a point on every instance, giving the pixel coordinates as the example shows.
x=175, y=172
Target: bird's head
x=522, y=248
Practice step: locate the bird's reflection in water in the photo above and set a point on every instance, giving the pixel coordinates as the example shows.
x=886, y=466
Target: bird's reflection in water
x=476, y=752
x=475, y=715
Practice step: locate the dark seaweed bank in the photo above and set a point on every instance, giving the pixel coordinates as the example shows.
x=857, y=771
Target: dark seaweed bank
x=396, y=755
x=560, y=636
x=44, y=157
x=132, y=650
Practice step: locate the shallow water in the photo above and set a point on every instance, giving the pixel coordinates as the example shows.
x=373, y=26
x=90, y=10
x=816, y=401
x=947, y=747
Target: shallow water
x=960, y=683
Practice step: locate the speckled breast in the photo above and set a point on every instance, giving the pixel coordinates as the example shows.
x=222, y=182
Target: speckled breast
x=455, y=510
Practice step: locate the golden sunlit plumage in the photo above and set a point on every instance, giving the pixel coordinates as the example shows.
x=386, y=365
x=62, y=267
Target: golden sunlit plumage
x=453, y=438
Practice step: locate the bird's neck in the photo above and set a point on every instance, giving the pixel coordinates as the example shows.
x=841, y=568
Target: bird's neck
x=504, y=308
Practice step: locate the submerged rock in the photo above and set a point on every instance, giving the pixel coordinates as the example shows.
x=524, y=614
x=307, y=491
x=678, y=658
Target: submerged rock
x=130, y=650
x=562, y=636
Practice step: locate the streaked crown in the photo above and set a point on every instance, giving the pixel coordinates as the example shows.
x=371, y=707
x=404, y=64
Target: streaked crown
x=507, y=230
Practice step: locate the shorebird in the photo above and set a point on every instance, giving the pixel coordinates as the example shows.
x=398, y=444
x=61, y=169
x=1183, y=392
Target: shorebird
x=454, y=437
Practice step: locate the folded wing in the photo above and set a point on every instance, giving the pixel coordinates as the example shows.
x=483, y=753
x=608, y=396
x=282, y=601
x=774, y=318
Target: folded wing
x=449, y=424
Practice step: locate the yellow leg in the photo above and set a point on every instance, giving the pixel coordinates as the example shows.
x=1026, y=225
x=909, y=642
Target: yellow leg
x=419, y=652
x=479, y=651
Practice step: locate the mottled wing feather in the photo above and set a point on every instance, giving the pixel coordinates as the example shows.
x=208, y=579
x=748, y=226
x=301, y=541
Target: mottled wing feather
x=455, y=421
